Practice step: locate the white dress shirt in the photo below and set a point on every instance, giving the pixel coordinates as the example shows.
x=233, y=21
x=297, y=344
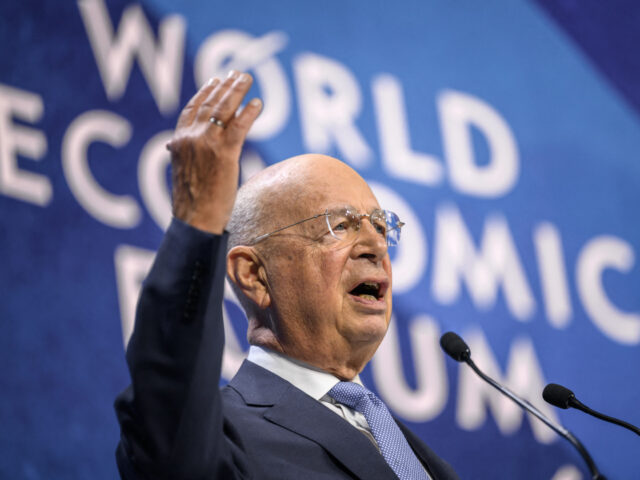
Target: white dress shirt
x=312, y=381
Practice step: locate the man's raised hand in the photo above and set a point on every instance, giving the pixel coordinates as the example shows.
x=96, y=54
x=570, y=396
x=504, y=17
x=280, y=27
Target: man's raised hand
x=205, y=155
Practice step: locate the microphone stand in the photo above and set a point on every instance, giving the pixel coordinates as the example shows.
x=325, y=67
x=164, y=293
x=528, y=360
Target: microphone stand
x=575, y=403
x=563, y=432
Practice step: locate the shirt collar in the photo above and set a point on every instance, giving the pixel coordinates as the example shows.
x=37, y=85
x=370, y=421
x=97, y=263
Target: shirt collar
x=312, y=381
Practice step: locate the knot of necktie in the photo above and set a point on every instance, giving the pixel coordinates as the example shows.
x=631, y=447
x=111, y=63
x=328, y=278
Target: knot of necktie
x=353, y=395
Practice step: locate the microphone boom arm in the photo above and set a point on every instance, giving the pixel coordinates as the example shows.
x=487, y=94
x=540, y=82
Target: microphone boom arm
x=575, y=403
x=563, y=432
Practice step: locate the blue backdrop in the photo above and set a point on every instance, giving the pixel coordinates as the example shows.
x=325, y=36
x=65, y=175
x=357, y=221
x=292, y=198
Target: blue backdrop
x=505, y=134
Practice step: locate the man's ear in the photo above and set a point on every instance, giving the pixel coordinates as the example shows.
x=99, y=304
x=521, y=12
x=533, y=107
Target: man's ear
x=246, y=270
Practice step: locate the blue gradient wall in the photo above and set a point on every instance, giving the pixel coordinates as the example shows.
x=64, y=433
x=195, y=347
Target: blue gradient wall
x=504, y=133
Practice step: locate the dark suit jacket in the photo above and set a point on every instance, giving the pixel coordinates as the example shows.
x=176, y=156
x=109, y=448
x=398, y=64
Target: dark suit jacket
x=177, y=424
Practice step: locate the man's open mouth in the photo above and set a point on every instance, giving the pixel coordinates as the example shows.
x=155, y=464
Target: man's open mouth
x=372, y=291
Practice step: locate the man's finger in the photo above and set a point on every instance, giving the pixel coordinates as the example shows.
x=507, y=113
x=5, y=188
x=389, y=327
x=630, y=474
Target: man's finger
x=189, y=111
x=205, y=107
x=224, y=102
x=239, y=126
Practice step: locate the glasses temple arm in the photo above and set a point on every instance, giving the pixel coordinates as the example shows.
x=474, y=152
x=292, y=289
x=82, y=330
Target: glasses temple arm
x=262, y=237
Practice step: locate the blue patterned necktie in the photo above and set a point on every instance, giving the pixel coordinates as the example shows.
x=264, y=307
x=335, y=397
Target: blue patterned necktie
x=394, y=447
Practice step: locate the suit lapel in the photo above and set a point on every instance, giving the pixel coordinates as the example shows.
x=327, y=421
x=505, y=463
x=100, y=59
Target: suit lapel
x=436, y=467
x=294, y=410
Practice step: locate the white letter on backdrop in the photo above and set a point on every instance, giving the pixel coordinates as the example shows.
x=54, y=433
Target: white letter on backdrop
x=459, y=112
x=524, y=376
x=152, y=178
x=119, y=211
x=132, y=266
x=456, y=260
x=161, y=64
x=393, y=130
x=20, y=140
x=553, y=274
x=430, y=396
x=595, y=257
x=330, y=101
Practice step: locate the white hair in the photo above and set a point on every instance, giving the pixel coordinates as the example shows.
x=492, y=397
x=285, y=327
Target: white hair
x=246, y=218
x=246, y=222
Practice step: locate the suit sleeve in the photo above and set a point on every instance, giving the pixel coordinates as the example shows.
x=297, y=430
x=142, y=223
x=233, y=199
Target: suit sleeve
x=171, y=416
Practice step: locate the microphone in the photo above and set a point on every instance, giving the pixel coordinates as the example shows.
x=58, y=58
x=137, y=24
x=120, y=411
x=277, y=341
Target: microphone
x=456, y=348
x=562, y=397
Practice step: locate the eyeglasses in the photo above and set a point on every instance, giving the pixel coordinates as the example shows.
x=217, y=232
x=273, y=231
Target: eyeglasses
x=344, y=224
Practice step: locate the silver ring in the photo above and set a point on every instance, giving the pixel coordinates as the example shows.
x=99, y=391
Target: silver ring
x=217, y=121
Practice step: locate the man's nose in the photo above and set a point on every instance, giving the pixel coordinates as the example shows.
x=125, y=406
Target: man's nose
x=370, y=243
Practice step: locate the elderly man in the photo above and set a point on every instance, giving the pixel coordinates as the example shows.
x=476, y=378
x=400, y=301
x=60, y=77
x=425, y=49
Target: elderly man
x=307, y=256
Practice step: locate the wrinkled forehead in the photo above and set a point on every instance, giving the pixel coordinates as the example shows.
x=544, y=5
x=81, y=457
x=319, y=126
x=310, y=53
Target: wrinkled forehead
x=320, y=189
x=306, y=185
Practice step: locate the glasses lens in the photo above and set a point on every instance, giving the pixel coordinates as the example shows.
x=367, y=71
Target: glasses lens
x=379, y=221
x=343, y=223
x=394, y=226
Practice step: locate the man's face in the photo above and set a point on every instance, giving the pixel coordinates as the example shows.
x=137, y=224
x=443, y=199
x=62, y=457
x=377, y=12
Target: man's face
x=331, y=297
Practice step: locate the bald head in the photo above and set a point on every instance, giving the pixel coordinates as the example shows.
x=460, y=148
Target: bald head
x=285, y=191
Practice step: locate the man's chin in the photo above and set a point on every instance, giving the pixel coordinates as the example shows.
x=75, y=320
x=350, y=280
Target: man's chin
x=368, y=328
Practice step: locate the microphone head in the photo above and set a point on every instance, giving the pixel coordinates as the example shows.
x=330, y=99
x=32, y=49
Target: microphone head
x=455, y=347
x=558, y=395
